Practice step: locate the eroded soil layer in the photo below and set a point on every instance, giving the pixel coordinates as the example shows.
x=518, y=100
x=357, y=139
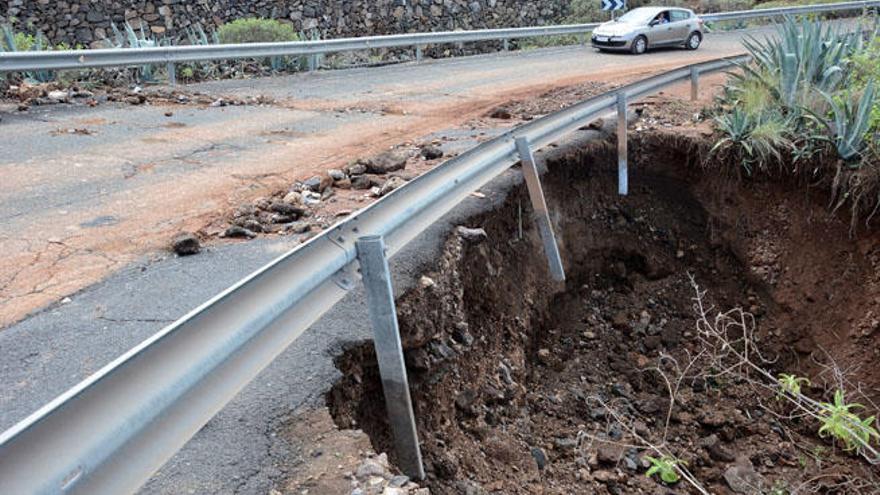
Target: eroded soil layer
x=520, y=384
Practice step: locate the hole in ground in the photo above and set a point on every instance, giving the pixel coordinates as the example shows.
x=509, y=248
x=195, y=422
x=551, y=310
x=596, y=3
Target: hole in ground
x=519, y=384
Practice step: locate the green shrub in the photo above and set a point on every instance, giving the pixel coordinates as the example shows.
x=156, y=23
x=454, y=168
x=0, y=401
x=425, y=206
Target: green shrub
x=253, y=30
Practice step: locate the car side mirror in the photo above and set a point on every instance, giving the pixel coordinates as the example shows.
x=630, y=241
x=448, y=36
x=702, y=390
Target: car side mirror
x=654, y=23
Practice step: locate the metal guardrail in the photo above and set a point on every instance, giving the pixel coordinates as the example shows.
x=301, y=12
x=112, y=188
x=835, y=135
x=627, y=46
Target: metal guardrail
x=84, y=59
x=109, y=433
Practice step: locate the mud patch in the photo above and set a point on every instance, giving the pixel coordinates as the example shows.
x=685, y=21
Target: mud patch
x=520, y=384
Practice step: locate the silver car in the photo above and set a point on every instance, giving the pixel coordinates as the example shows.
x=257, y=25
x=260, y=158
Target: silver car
x=650, y=27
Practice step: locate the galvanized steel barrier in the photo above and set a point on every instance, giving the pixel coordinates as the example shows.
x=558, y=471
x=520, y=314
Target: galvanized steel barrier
x=109, y=433
x=84, y=59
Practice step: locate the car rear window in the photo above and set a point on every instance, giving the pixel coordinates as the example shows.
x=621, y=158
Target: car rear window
x=679, y=15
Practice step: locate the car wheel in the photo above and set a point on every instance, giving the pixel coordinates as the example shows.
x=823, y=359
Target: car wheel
x=693, y=41
x=639, y=45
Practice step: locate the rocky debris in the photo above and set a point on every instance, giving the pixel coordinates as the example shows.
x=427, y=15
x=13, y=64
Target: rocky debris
x=375, y=477
x=186, y=244
x=473, y=236
x=431, y=152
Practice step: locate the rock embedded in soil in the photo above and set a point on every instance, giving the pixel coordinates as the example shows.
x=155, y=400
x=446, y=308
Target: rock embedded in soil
x=609, y=454
x=186, y=244
x=473, y=236
x=544, y=356
x=742, y=477
x=336, y=174
x=540, y=457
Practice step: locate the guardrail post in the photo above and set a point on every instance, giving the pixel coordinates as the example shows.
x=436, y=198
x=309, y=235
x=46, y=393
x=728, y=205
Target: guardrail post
x=695, y=84
x=622, y=172
x=418, y=53
x=389, y=352
x=313, y=63
x=172, y=73
x=505, y=44
x=583, y=39
x=539, y=205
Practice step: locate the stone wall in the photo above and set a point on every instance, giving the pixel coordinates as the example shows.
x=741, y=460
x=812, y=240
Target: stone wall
x=87, y=21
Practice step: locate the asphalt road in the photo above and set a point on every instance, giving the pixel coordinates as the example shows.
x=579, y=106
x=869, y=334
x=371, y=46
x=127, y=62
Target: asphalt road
x=74, y=207
x=74, y=189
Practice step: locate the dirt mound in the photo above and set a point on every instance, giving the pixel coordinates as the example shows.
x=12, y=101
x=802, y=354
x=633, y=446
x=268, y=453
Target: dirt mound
x=525, y=386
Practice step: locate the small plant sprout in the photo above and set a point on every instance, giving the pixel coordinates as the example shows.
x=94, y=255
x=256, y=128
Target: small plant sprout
x=791, y=384
x=840, y=423
x=665, y=467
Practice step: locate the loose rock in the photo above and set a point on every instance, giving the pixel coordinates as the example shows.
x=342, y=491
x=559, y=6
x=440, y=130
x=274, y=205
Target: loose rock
x=185, y=244
x=386, y=162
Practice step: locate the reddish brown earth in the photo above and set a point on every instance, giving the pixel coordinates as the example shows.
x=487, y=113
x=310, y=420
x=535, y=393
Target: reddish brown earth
x=522, y=385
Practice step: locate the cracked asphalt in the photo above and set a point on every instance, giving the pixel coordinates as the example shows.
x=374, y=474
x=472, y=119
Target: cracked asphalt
x=134, y=293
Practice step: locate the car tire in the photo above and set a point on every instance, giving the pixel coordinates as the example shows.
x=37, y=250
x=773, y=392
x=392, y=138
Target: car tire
x=693, y=41
x=639, y=45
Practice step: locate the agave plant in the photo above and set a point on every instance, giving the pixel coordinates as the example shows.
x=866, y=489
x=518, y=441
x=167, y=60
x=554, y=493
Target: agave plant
x=128, y=37
x=801, y=56
x=756, y=138
x=850, y=121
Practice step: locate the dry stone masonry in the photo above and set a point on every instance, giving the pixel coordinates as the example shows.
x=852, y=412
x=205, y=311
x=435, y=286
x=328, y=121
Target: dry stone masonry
x=88, y=21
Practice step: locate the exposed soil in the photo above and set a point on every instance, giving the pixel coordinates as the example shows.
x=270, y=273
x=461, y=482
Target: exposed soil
x=520, y=384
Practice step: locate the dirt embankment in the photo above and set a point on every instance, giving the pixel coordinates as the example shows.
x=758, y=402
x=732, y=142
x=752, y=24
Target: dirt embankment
x=522, y=385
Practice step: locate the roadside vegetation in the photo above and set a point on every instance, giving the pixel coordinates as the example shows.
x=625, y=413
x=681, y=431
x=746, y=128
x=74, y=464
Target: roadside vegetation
x=807, y=105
